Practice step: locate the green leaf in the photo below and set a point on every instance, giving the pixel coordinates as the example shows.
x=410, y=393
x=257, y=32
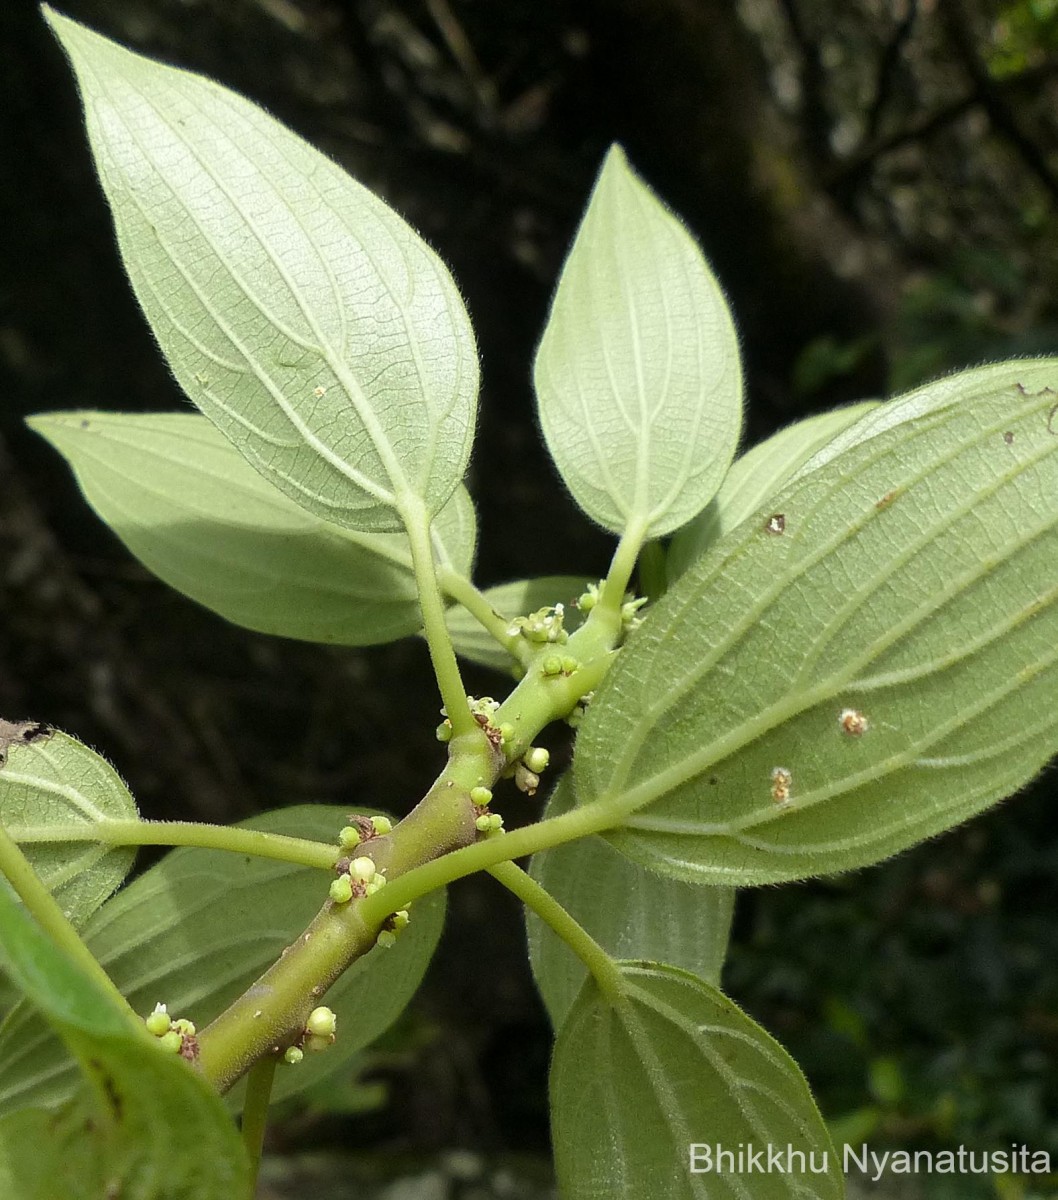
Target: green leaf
x=637, y=375
x=667, y=1067
x=52, y=779
x=196, y=930
x=192, y=509
x=913, y=583
x=139, y=1109
x=510, y=600
x=754, y=477
x=299, y=312
x=630, y=912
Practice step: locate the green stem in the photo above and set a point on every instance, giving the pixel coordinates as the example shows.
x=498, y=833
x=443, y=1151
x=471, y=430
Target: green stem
x=271, y=1013
x=445, y=666
x=42, y=905
x=622, y=565
x=548, y=909
x=301, y=851
x=255, y=1112
x=652, y=573
x=463, y=591
x=530, y=839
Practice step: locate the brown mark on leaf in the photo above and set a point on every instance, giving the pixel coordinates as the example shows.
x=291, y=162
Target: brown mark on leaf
x=21, y=733
x=775, y=524
x=853, y=722
x=1051, y=426
x=1044, y=391
x=781, y=783
x=887, y=499
x=1008, y=437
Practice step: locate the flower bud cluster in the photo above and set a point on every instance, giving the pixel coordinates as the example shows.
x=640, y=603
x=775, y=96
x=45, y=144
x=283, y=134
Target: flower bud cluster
x=175, y=1034
x=544, y=625
x=357, y=877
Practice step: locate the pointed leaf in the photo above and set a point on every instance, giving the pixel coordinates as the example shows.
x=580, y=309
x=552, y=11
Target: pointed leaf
x=140, y=1109
x=299, y=312
x=757, y=475
x=195, y=931
x=510, y=600
x=50, y=780
x=669, y=1068
x=822, y=690
x=637, y=375
x=193, y=510
x=630, y=912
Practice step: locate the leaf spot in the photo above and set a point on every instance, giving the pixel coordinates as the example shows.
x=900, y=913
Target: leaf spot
x=887, y=499
x=781, y=783
x=1051, y=428
x=775, y=524
x=21, y=733
x=1008, y=437
x=853, y=722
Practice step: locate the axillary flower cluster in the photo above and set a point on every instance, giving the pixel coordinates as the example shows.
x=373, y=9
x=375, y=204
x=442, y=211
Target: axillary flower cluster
x=358, y=876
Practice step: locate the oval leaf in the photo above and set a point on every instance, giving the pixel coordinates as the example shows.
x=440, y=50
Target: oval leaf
x=637, y=375
x=645, y=1083
x=630, y=912
x=128, y=1133
x=510, y=600
x=196, y=930
x=873, y=664
x=756, y=475
x=303, y=316
x=49, y=780
x=193, y=510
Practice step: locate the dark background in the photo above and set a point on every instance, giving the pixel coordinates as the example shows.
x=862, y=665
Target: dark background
x=875, y=184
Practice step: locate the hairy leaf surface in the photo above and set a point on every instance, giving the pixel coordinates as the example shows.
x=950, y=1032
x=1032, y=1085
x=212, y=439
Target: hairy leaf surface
x=195, y=931
x=669, y=1062
x=630, y=912
x=143, y=1124
x=54, y=780
x=756, y=475
x=193, y=510
x=510, y=600
x=637, y=375
x=299, y=312
x=820, y=692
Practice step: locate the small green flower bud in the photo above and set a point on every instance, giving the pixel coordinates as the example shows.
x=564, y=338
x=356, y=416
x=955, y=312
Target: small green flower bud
x=293, y=1055
x=158, y=1022
x=376, y=885
x=536, y=759
x=587, y=601
x=322, y=1022
x=341, y=891
x=349, y=837
x=552, y=665
x=171, y=1042
x=495, y=823
x=481, y=796
x=482, y=824
x=383, y=825
x=386, y=939
x=507, y=732
x=569, y=665
x=362, y=869
x=184, y=1027
x=400, y=920
x=444, y=731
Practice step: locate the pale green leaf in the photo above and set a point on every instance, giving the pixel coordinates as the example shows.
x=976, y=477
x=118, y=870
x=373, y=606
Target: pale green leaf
x=144, y=1124
x=637, y=375
x=193, y=510
x=510, y=600
x=299, y=312
x=886, y=666
x=668, y=1066
x=53, y=780
x=630, y=912
x=754, y=477
x=196, y=930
